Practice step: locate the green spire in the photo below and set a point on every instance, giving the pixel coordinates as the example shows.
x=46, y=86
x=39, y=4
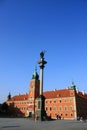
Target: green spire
x=35, y=74
x=73, y=83
x=73, y=87
x=9, y=95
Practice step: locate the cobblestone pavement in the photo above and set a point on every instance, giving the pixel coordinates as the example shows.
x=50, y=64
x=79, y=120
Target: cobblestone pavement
x=27, y=124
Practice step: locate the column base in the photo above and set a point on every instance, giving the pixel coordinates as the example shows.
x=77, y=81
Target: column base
x=40, y=112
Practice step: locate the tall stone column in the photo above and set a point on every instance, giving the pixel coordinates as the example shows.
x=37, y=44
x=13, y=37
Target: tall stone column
x=41, y=99
x=41, y=62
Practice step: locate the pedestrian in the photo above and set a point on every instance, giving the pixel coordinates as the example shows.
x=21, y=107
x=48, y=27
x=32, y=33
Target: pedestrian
x=35, y=117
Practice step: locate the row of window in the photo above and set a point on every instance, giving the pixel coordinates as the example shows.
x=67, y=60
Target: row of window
x=22, y=108
x=50, y=101
x=63, y=115
x=21, y=103
x=59, y=108
x=60, y=100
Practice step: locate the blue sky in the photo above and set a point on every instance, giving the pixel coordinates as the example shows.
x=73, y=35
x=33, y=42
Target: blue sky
x=29, y=26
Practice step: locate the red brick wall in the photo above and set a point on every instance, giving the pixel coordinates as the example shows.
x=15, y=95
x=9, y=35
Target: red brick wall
x=63, y=107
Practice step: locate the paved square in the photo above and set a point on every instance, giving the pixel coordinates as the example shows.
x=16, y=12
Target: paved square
x=27, y=124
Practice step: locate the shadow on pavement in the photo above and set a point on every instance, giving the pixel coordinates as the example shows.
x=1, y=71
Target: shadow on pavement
x=10, y=126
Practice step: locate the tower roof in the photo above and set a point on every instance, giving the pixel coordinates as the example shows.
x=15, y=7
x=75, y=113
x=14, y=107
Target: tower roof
x=35, y=74
x=73, y=87
x=9, y=95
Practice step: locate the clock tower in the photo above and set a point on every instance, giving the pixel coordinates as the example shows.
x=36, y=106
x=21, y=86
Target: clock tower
x=33, y=92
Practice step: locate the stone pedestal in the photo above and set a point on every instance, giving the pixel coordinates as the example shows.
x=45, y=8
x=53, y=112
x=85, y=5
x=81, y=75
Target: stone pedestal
x=41, y=108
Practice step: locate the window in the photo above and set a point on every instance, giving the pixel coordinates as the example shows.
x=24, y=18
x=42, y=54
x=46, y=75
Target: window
x=50, y=108
x=46, y=108
x=66, y=115
x=60, y=108
x=54, y=101
x=65, y=100
x=71, y=114
x=65, y=108
x=70, y=99
x=60, y=100
x=61, y=114
x=71, y=108
x=54, y=107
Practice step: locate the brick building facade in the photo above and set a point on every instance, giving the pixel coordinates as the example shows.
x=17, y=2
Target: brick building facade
x=63, y=104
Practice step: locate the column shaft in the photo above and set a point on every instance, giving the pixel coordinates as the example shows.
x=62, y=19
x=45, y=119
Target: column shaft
x=41, y=81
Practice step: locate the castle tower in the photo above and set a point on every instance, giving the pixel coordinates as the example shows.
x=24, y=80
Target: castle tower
x=33, y=92
x=9, y=96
